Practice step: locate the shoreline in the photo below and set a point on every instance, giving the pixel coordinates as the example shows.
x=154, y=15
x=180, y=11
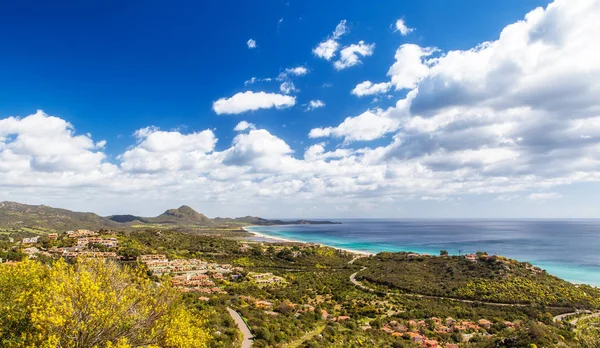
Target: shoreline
x=280, y=239
x=545, y=267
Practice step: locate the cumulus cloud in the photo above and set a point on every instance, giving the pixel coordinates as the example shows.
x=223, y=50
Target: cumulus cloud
x=251, y=44
x=252, y=101
x=370, y=88
x=167, y=150
x=410, y=66
x=255, y=146
x=327, y=48
x=44, y=143
x=243, y=125
x=509, y=117
x=314, y=104
x=369, y=125
x=350, y=55
x=403, y=28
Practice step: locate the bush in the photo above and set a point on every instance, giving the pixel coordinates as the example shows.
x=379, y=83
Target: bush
x=91, y=304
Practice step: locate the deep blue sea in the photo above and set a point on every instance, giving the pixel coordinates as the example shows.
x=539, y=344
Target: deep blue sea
x=569, y=249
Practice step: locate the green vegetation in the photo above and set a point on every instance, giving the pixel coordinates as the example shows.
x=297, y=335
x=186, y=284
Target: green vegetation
x=487, y=278
x=290, y=294
x=91, y=304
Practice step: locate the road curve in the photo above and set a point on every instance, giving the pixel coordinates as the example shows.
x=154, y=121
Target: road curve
x=366, y=288
x=241, y=324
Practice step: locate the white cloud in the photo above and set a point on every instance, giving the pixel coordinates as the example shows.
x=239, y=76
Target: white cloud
x=410, y=67
x=349, y=56
x=255, y=147
x=327, y=48
x=402, y=28
x=314, y=104
x=370, y=125
x=544, y=196
x=298, y=71
x=509, y=117
x=256, y=79
x=251, y=101
x=44, y=143
x=167, y=150
x=243, y=125
x=370, y=88
x=340, y=30
x=287, y=87
x=251, y=44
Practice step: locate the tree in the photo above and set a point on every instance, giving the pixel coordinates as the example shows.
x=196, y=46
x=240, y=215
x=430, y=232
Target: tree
x=92, y=304
x=443, y=252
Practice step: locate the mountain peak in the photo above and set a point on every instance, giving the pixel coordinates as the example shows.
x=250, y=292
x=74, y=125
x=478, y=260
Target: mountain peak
x=186, y=212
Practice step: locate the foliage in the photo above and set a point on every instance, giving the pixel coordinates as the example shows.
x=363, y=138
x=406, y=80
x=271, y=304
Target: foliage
x=492, y=279
x=91, y=304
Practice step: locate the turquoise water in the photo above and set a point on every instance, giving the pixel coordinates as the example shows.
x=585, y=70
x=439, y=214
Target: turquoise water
x=569, y=249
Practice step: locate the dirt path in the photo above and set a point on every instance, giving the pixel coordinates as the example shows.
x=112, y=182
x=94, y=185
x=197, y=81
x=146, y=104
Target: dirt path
x=366, y=288
x=248, y=338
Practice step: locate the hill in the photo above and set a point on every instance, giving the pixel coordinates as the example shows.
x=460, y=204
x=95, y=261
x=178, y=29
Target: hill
x=18, y=215
x=477, y=277
x=42, y=218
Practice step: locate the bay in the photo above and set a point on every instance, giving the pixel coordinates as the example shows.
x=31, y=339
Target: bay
x=569, y=249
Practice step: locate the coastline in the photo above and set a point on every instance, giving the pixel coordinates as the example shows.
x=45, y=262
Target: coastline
x=266, y=236
x=560, y=271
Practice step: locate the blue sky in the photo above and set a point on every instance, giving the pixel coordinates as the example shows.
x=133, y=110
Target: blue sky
x=460, y=128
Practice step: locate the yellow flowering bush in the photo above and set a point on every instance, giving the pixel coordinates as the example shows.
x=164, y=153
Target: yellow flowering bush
x=92, y=304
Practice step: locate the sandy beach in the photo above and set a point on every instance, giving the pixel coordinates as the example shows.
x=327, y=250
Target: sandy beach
x=279, y=239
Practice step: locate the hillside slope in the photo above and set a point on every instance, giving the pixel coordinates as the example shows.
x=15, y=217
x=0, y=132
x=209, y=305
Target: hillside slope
x=43, y=217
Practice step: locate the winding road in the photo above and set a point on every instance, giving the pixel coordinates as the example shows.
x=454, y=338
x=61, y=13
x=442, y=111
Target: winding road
x=241, y=324
x=575, y=320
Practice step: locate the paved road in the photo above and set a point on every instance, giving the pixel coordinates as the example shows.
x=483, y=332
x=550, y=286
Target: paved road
x=366, y=288
x=356, y=258
x=574, y=321
x=248, y=338
x=577, y=312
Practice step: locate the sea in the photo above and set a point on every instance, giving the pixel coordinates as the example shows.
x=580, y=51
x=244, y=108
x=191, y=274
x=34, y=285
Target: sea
x=569, y=249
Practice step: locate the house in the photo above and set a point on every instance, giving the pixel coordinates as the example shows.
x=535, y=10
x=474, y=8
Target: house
x=387, y=329
x=31, y=251
x=450, y=321
x=53, y=236
x=31, y=240
x=471, y=257
x=324, y=314
x=485, y=323
x=431, y=343
x=263, y=304
x=416, y=338
x=153, y=257
x=341, y=318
